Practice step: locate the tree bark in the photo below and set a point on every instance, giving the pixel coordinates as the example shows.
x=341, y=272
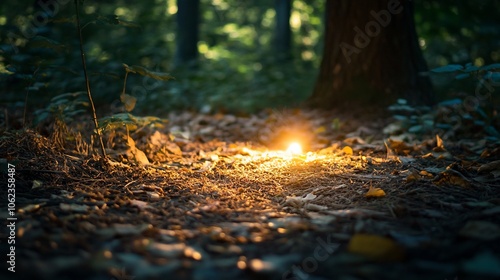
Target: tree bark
x=187, y=31
x=283, y=33
x=371, y=55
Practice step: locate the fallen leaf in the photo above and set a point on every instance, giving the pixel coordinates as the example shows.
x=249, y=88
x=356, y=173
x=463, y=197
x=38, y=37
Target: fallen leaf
x=451, y=177
x=37, y=184
x=320, y=129
x=30, y=208
x=135, y=154
x=347, y=150
x=375, y=192
x=375, y=247
x=439, y=144
x=413, y=176
x=158, y=139
x=128, y=101
x=390, y=153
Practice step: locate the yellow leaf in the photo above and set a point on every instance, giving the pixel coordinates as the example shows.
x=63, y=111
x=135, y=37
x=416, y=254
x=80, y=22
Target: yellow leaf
x=128, y=101
x=414, y=176
x=452, y=177
x=375, y=247
x=439, y=145
x=347, y=150
x=375, y=192
x=319, y=130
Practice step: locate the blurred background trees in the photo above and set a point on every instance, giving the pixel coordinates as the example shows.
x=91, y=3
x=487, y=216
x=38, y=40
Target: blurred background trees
x=250, y=54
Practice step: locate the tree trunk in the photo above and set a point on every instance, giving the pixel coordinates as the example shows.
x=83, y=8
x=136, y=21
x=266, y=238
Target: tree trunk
x=283, y=33
x=371, y=55
x=187, y=31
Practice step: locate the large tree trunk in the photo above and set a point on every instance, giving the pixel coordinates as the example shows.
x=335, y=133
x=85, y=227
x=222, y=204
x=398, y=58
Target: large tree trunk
x=371, y=55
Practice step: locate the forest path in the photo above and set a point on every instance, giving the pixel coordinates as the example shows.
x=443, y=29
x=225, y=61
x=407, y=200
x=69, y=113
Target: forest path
x=356, y=206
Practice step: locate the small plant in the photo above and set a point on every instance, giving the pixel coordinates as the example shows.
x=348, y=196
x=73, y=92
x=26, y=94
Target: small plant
x=417, y=120
x=487, y=72
x=129, y=101
x=475, y=112
x=63, y=108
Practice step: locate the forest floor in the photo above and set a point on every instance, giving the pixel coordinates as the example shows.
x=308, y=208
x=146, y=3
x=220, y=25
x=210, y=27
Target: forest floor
x=219, y=197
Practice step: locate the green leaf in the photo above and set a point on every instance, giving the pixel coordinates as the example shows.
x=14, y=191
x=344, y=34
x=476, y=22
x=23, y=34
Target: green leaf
x=68, y=94
x=493, y=76
x=40, y=116
x=400, y=118
x=452, y=102
x=493, y=66
x=448, y=68
x=129, y=120
x=462, y=76
x=492, y=131
x=471, y=68
x=145, y=72
x=116, y=121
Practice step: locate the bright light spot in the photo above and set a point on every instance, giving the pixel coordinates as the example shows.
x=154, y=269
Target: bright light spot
x=479, y=61
x=294, y=149
x=202, y=47
x=295, y=20
x=422, y=42
x=107, y=254
x=307, y=55
x=172, y=9
x=120, y=11
x=241, y=264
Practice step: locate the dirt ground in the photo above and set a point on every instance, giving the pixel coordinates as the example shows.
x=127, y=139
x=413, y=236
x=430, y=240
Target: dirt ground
x=220, y=197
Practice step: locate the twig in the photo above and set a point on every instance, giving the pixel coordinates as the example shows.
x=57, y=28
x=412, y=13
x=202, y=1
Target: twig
x=87, y=83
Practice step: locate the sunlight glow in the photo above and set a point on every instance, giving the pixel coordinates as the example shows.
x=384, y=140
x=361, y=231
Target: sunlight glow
x=294, y=148
x=295, y=21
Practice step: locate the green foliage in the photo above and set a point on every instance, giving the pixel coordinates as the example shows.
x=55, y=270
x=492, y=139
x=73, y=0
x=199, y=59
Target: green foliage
x=456, y=32
x=131, y=122
x=417, y=120
x=148, y=73
x=235, y=71
x=486, y=72
x=64, y=107
x=472, y=113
